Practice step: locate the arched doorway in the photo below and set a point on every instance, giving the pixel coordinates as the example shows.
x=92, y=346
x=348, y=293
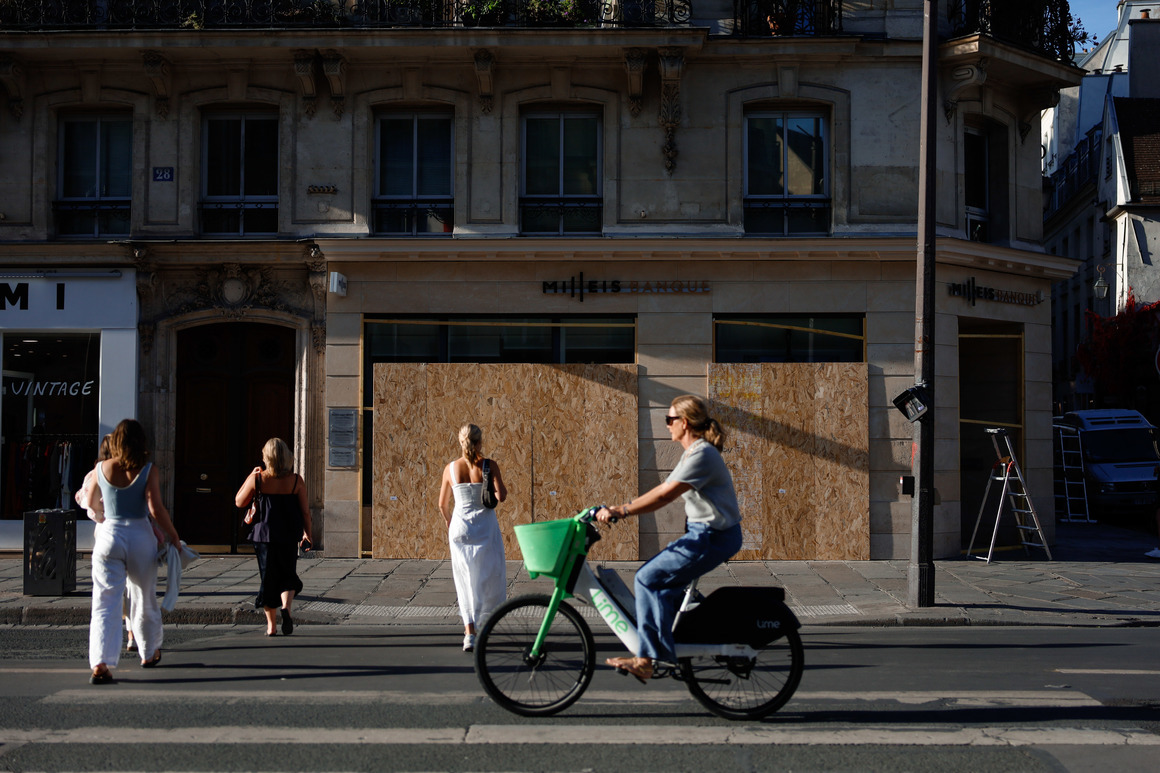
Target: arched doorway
x=235, y=389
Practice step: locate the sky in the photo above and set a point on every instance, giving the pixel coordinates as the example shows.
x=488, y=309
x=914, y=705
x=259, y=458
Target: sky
x=1098, y=16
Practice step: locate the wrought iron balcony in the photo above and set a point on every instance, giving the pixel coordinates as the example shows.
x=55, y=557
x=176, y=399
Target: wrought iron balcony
x=786, y=18
x=242, y=14
x=1042, y=26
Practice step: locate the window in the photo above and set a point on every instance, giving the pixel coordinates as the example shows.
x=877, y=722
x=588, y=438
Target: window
x=787, y=189
x=94, y=180
x=985, y=181
x=561, y=190
x=790, y=338
x=50, y=412
x=240, y=174
x=413, y=175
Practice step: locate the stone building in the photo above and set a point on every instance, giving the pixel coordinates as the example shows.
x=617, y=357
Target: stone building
x=359, y=226
x=1101, y=150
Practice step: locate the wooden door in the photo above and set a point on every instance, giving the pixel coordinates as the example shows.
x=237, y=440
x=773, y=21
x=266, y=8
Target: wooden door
x=235, y=390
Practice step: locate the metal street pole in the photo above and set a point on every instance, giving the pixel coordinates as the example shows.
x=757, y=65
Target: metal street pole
x=920, y=571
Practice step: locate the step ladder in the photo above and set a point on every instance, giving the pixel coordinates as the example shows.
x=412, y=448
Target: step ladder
x=1006, y=470
x=1071, y=503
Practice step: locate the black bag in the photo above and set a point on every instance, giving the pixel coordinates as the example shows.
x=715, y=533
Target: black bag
x=490, y=500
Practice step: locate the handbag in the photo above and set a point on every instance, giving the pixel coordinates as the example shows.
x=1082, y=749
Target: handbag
x=490, y=500
x=253, y=511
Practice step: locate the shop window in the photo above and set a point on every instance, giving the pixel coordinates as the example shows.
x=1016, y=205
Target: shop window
x=48, y=418
x=985, y=182
x=414, y=170
x=561, y=185
x=787, y=188
x=239, y=174
x=790, y=338
x=94, y=183
x=488, y=340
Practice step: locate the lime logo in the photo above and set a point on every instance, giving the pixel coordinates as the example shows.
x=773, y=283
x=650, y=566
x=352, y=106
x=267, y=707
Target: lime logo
x=766, y=624
x=608, y=611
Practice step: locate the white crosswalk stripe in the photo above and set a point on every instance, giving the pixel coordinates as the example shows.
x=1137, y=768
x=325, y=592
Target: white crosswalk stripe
x=650, y=735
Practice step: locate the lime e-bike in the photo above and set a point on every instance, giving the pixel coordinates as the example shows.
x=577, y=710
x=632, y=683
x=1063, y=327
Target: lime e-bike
x=738, y=649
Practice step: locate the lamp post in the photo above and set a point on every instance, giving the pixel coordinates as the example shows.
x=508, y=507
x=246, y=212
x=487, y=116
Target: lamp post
x=920, y=570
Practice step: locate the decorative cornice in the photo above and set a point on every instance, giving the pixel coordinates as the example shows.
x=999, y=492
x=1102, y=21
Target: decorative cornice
x=233, y=290
x=304, y=71
x=158, y=72
x=962, y=77
x=334, y=68
x=484, y=68
x=672, y=61
x=12, y=76
x=635, y=61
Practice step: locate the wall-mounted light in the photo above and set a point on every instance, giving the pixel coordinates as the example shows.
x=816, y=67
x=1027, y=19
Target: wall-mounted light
x=914, y=402
x=1100, y=286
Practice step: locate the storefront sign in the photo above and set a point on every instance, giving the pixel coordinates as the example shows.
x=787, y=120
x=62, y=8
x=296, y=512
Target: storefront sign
x=575, y=287
x=83, y=299
x=971, y=292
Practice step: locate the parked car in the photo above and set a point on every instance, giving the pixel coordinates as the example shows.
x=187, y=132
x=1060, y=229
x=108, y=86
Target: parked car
x=1121, y=461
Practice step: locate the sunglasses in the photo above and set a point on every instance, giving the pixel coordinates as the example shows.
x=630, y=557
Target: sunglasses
x=670, y=419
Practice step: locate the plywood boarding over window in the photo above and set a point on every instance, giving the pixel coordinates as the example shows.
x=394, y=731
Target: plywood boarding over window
x=798, y=449
x=567, y=429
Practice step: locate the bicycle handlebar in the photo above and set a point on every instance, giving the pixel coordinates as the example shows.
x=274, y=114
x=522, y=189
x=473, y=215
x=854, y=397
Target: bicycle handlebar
x=589, y=515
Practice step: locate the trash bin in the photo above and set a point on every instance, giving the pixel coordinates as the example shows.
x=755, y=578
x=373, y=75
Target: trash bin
x=50, y=552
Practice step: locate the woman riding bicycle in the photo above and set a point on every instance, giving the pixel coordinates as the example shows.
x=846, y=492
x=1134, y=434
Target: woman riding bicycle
x=712, y=537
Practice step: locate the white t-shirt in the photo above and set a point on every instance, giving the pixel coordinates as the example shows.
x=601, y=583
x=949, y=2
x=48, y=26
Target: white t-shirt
x=712, y=500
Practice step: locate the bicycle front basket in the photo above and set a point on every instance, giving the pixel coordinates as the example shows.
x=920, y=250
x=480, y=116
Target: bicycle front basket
x=547, y=545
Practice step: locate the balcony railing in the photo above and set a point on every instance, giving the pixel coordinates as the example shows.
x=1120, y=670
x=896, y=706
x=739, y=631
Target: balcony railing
x=1042, y=26
x=786, y=18
x=219, y=14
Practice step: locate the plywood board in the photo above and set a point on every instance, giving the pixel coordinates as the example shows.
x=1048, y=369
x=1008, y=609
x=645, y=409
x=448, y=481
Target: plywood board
x=737, y=395
x=568, y=429
x=798, y=452
x=401, y=524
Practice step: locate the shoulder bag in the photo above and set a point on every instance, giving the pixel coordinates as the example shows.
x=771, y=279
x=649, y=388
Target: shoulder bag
x=490, y=500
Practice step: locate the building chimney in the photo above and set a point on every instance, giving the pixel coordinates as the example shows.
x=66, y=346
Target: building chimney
x=1146, y=13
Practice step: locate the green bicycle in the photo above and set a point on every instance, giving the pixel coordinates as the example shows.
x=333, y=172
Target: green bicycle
x=738, y=649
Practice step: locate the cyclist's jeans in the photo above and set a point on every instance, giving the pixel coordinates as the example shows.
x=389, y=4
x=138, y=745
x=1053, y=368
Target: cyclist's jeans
x=661, y=582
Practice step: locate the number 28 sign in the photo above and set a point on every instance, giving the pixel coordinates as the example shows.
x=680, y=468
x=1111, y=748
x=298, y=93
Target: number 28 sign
x=162, y=174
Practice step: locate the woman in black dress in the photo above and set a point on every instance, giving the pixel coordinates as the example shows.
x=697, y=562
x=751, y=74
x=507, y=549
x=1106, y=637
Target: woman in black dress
x=280, y=525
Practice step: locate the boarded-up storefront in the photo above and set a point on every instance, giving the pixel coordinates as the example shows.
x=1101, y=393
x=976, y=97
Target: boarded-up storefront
x=565, y=437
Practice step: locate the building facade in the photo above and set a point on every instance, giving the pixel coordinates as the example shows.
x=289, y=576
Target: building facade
x=359, y=227
x=1100, y=149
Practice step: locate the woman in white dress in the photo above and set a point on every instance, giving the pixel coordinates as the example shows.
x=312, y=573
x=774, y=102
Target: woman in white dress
x=477, y=559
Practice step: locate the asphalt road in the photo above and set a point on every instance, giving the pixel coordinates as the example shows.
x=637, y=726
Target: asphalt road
x=406, y=699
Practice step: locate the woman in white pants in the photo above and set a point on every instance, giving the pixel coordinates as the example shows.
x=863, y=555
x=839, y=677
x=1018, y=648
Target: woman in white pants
x=126, y=548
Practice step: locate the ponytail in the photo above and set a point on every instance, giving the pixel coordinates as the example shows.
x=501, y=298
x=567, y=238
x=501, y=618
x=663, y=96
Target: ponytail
x=471, y=441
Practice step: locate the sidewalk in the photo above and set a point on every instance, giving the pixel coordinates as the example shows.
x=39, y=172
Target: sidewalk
x=1100, y=578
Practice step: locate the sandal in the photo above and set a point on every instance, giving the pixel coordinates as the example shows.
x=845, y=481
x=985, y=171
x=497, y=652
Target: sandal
x=287, y=622
x=101, y=675
x=153, y=661
x=641, y=668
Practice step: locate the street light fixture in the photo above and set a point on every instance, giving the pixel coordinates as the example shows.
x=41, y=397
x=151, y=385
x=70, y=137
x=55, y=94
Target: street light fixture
x=1101, y=285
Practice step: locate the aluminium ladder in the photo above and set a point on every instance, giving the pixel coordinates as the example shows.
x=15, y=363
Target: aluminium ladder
x=1071, y=502
x=1014, y=493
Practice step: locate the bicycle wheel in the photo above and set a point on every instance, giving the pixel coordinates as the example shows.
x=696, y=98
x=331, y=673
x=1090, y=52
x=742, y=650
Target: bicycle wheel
x=747, y=688
x=543, y=685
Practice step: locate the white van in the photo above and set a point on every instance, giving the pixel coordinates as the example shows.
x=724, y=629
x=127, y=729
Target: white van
x=1120, y=458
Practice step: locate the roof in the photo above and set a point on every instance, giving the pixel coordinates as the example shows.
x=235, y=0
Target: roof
x=1139, y=124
